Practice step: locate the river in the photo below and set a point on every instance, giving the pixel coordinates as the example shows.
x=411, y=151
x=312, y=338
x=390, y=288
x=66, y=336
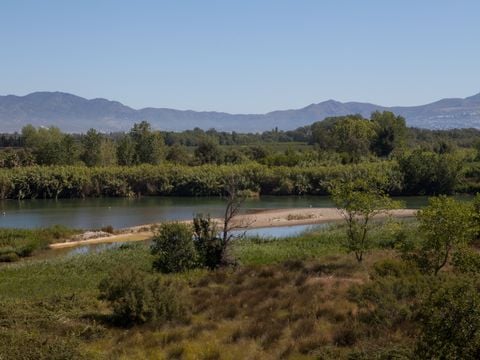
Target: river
x=95, y=213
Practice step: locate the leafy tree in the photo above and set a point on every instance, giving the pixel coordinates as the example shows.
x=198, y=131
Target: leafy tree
x=390, y=132
x=446, y=224
x=207, y=241
x=178, y=154
x=353, y=137
x=149, y=145
x=91, y=148
x=173, y=245
x=258, y=152
x=359, y=200
x=107, y=153
x=322, y=133
x=208, y=152
x=428, y=173
x=126, y=151
x=234, y=156
x=450, y=322
x=49, y=145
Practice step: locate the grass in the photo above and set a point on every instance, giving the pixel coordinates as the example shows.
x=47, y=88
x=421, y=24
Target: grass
x=18, y=243
x=287, y=299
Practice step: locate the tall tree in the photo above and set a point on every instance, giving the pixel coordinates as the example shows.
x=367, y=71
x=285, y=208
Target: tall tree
x=91, y=147
x=149, y=144
x=390, y=132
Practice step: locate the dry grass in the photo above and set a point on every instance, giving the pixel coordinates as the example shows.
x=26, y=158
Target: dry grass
x=291, y=310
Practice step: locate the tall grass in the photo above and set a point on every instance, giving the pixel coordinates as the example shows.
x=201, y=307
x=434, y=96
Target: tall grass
x=17, y=243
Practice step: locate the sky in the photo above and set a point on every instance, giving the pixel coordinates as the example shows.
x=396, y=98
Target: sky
x=242, y=56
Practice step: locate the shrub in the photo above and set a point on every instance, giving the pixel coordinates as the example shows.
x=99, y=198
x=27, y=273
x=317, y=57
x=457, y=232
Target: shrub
x=466, y=260
x=174, y=247
x=207, y=242
x=137, y=297
x=390, y=299
x=450, y=322
x=446, y=225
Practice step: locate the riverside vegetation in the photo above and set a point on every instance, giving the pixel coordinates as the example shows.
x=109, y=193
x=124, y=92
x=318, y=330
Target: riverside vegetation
x=46, y=163
x=412, y=295
x=360, y=289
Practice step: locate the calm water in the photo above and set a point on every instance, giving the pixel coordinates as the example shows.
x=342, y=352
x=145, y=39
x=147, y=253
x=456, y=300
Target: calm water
x=269, y=232
x=121, y=212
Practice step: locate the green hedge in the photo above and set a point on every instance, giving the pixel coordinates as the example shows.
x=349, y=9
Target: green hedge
x=117, y=181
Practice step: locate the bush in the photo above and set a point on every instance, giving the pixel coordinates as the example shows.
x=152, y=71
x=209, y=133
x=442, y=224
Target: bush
x=450, y=322
x=466, y=260
x=207, y=242
x=137, y=297
x=174, y=247
x=446, y=225
x=391, y=299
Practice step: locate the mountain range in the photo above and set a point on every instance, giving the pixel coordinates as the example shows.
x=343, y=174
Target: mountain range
x=72, y=113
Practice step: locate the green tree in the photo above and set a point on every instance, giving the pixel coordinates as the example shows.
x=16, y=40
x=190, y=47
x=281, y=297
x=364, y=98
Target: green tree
x=207, y=241
x=178, y=154
x=359, y=200
x=446, y=225
x=353, y=137
x=126, y=151
x=50, y=146
x=428, y=173
x=208, y=152
x=173, y=245
x=450, y=322
x=149, y=144
x=91, y=148
x=108, y=153
x=322, y=133
x=390, y=133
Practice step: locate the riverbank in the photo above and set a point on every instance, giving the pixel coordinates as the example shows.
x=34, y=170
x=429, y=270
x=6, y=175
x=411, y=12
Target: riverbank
x=259, y=219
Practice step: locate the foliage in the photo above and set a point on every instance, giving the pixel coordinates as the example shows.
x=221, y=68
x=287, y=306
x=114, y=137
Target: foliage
x=390, y=133
x=81, y=181
x=359, y=200
x=207, y=241
x=450, y=322
x=137, y=297
x=18, y=243
x=353, y=137
x=428, y=173
x=466, y=260
x=445, y=224
x=391, y=299
x=208, y=152
x=173, y=245
x=148, y=144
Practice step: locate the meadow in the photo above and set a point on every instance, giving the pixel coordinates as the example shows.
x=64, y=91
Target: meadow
x=293, y=298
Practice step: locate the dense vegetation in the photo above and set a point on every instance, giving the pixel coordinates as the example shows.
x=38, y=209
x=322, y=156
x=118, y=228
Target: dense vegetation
x=46, y=163
x=423, y=176
x=409, y=291
x=302, y=297
x=19, y=243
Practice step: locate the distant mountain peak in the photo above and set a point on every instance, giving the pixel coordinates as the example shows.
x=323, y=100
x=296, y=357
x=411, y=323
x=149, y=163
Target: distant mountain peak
x=76, y=114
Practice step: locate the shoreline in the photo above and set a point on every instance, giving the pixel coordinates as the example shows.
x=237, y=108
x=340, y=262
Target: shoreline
x=260, y=219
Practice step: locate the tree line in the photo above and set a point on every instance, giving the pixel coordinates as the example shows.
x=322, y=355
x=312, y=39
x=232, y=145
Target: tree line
x=344, y=139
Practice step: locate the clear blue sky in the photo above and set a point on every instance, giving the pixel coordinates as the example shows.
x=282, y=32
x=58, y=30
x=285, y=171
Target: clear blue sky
x=242, y=55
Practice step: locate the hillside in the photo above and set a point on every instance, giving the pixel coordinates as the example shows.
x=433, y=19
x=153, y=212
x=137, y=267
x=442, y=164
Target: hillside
x=76, y=114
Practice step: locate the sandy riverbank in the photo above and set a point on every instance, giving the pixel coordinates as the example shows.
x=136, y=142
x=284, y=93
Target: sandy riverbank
x=261, y=219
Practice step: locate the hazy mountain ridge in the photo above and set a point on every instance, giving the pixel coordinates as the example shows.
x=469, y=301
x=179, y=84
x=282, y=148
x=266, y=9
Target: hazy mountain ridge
x=76, y=114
